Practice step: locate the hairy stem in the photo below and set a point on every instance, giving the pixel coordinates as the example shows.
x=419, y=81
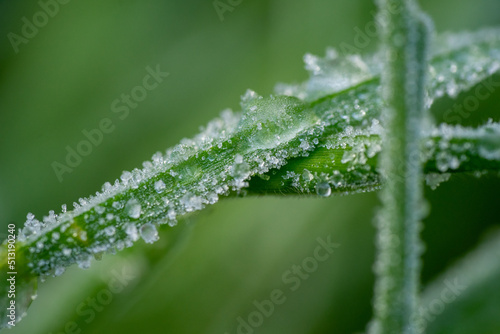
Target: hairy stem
x=403, y=80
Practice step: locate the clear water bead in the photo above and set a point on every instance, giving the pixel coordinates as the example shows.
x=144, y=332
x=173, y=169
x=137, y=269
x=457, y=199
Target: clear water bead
x=323, y=189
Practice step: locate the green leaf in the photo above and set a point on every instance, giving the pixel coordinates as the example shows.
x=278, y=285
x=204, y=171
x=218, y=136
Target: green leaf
x=466, y=298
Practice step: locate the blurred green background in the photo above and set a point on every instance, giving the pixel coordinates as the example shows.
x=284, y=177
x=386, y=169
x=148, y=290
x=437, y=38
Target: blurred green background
x=206, y=272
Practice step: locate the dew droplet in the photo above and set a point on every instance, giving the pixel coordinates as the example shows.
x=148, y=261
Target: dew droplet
x=323, y=189
x=149, y=233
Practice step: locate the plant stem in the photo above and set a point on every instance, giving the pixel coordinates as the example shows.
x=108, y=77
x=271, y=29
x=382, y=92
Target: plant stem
x=403, y=80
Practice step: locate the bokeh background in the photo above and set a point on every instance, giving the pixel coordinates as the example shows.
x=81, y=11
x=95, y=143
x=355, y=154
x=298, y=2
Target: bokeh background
x=206, y=272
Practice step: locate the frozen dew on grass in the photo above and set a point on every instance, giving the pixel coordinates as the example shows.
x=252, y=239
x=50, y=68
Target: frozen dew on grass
x=131, y=231
x=133, y=208
x=330, y=122
x=160, y=186
x=149, y=233
x=323, y=189
x=433, y=180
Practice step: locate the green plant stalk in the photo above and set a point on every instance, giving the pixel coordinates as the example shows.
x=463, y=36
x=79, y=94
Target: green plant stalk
x=399, y=247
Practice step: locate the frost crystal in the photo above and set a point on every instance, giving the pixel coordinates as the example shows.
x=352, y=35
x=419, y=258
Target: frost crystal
x=149, y=233
x=131, y=231
x=133, y=208
x=160, y=186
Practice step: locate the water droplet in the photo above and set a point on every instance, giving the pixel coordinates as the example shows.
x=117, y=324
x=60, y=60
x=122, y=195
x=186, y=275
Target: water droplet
x=149, y=233
x=133, y=208
x=323, y=189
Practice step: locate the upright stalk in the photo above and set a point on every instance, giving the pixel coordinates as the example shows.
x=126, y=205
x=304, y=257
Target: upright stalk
x=404, y=38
